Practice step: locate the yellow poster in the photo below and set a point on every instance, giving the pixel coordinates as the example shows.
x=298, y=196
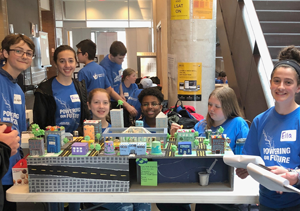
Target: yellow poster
x=202, y=9
x=189, y=81
x=180, y=9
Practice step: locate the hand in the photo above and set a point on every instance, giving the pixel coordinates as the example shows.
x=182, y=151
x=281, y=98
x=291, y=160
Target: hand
x=278, y=169
x=133, y=112
x=10, y=139
x=241, y=173
x=174, y=128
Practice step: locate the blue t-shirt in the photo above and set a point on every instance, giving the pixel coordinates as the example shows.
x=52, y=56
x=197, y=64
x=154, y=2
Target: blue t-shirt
x=114, y=73
x=109, y=125
x=68, y=110
x=12, y=109
x=234, y=128
x=274, y=138
x=218, y=81
x=134, y=101
x=128, y=91
x=94, y=76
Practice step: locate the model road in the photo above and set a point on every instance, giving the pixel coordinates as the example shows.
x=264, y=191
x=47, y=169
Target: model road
x=80, y=172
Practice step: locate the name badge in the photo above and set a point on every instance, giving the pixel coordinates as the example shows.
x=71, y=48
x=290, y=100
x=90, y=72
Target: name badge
x=17, y=99
x=288, y=135
x=75, y=98
x=126, y=94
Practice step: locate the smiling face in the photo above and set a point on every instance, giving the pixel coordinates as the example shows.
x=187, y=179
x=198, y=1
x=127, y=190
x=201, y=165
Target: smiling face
x=215, y=110
x=66, y=63
x=99, y=105
x=18, y=63
x=284, y=85
x=150, y=106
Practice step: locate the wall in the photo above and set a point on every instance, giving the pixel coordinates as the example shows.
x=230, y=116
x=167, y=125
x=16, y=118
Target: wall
x=160, y=14
x=48, y=25
x=21, y=13
x=76, y=10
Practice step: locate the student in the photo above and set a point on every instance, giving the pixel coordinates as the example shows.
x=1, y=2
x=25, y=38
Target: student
x=99, y=104
x=150, y=99
x=224, y=110
x=112, y=63
x=274, y=134
x=9, y=145
x=62, y=100
x=18, y=51
x=128, y=87
x=222, y=78
x=128, y=82
x=95, y=76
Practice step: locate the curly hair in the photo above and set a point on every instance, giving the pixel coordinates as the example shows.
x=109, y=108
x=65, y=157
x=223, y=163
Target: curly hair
x=152, y=91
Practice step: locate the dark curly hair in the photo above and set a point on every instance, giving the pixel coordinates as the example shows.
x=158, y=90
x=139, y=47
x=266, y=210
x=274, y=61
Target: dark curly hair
x=152, y=91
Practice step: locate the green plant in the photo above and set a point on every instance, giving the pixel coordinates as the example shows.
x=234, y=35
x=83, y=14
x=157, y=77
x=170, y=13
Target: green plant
x=87, y=138
x=98, y=135
x=98, y=147
x=66, y=140
x=35, y=128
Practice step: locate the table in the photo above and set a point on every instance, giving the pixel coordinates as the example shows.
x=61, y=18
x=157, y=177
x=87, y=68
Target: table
x=245, y=192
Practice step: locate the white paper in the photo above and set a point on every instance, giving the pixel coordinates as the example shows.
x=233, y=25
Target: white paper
x=241, y=161
x=268, y=179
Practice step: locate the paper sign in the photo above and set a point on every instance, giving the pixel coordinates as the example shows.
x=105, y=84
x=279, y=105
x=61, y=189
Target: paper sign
x=202, y=9
x=149, y=174
x=180, y=9
x=189, y=81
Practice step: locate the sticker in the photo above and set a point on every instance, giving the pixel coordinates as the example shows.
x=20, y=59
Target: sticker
x=17, y=99
x=75, y=98
x=288, y=135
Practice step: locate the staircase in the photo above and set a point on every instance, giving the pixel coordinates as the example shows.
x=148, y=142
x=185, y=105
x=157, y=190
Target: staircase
x=251, y=34
x=280, y=23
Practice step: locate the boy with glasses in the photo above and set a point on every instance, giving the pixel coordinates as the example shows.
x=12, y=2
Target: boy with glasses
x=18, y=51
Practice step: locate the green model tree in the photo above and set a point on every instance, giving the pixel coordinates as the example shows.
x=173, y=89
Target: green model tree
x=206, y=141
x=66, y=140
x=37, y=131
x=120, y=103
x=168, y=136
x=196, y=134
x=220, y=130
x=98, y=147
x=173, y=148
x=196, y=142
x=87, y=138
x=92, y=146
x=98, y=135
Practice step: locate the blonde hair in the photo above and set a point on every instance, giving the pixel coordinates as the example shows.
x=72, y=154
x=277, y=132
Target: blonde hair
x=229, y=104
x=127, y=72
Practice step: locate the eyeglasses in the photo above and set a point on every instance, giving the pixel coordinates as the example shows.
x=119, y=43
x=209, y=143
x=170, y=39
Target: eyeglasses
x=154, y=104
x=21, y=53
x=78, y=52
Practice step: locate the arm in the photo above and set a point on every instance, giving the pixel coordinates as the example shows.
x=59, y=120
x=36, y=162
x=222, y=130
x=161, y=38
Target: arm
x=129, y=108
x=121, y=92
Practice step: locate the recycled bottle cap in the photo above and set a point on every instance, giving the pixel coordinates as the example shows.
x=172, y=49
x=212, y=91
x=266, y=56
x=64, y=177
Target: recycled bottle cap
x=75, y=133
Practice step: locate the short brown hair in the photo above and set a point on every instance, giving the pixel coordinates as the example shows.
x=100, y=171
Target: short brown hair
x=117, y=48
x=89, y=47
x=13, y=39
x=229, y=104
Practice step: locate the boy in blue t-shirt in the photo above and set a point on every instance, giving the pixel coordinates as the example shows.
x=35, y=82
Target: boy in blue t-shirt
x=18, y=51
x=96, y=76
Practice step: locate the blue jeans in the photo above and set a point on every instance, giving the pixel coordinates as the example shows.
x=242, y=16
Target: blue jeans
x=72, y=206
x=127, y=206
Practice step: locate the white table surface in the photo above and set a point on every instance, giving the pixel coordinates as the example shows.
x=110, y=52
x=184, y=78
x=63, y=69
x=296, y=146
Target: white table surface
x=245, y=192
